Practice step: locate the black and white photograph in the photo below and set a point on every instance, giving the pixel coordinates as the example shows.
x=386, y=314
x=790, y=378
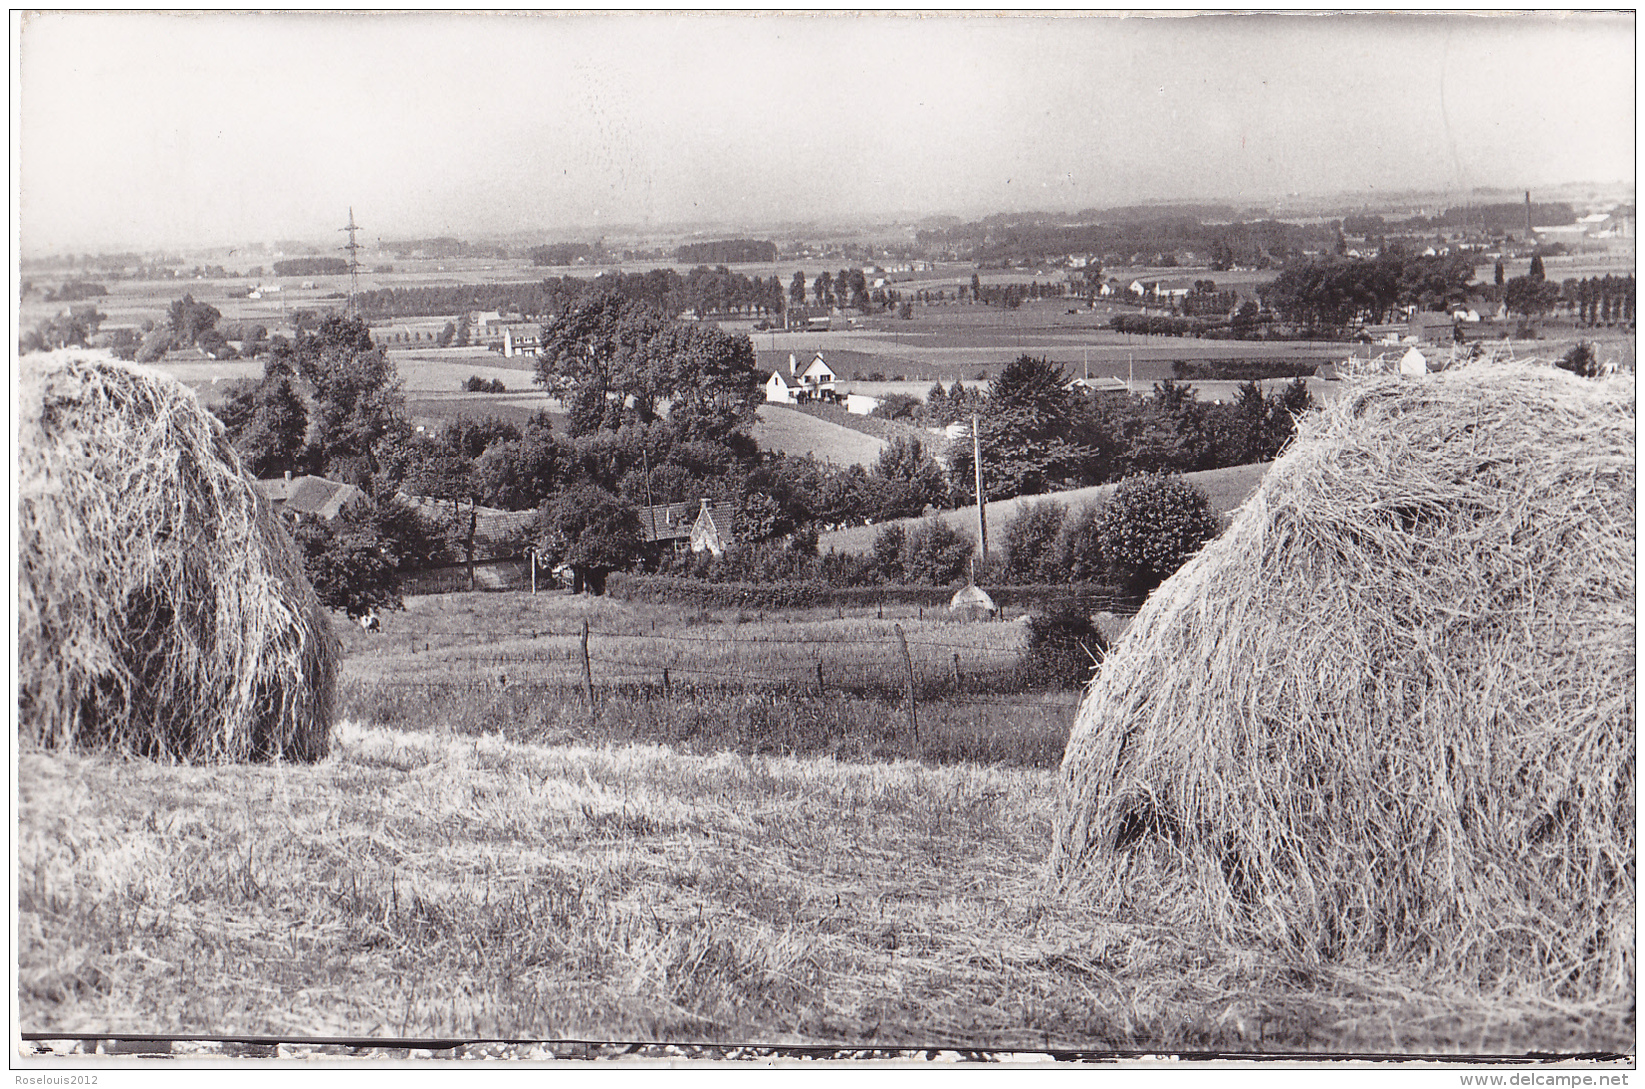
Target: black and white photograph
x=923, y=539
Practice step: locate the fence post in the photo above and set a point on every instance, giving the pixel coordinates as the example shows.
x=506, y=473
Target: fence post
x=665, y=684
x=588, y=677
x=913, y=720
x=819, y=679
x=956, y=671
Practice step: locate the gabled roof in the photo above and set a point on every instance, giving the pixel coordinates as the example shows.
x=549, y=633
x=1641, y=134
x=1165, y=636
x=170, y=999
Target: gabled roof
x=320, y=497
x=667, y=521
x=712, y=528
x=311, y=495
x=674, y=521
x=818, y=364
x=781, y=379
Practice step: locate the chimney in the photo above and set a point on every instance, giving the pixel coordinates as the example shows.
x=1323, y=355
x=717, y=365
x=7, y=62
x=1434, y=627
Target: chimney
x=793, y=366
x=288, y=476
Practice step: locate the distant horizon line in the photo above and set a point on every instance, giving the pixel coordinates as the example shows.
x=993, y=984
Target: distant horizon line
x=726, y=227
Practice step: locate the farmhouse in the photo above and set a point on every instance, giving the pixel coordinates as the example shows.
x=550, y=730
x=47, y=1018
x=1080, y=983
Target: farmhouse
x=307, y=497
x=817, y=380
x=677, y=527
x=521, y=338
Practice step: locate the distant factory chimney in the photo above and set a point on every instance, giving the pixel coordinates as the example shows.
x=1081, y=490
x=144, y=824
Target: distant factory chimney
x=1527, y=213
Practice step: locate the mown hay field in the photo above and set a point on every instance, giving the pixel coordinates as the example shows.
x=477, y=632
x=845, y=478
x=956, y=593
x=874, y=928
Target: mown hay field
x=424, y=884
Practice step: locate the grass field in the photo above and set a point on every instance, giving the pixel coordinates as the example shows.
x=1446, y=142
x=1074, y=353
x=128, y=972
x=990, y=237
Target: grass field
x=781, y=428
x=423, y=884
x=1227, y=489
x=799, y=682
x=446, y=873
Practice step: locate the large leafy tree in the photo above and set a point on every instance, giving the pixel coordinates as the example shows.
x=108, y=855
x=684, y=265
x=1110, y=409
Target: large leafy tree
x=907, y=479
x=1529, y=296
x=711, y=379
x=618, y=361
x=355, y=560
x=357, y=395
x=597, y=356
x=273, y=437
x=593, y=532
x=188, y=319
x=1024, y=423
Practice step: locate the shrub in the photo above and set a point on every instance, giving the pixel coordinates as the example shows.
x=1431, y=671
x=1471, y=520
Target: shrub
x=1580, y=360
x=1064, y=647
x=937, y=553
x=889, y=544
x=1029, y=543
x=476, y=384
x=1079, y=546
x=1151, y=525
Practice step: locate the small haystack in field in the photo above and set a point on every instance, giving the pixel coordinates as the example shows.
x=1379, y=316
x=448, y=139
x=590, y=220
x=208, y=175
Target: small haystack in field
x=1388, y=716
x=161, y=607
x=973, y=603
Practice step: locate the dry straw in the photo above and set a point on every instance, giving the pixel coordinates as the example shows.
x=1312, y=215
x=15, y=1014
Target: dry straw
x=162, y=608
x=1388, y=716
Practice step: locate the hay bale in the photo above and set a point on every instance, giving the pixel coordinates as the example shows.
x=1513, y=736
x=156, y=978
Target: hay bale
x=162, y=607
x=1388, y=716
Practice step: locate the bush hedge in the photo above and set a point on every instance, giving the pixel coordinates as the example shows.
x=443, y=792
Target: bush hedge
x=675, y=590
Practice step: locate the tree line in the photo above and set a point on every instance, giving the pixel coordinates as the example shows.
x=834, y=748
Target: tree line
x=703, y=290
x=1328, y=294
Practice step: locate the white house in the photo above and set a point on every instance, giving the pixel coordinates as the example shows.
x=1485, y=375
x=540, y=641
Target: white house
x=521, y=338
x=779, y=390
x=816, y=380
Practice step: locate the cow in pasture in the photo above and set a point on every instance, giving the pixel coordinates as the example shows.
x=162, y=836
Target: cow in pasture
x=369, y=622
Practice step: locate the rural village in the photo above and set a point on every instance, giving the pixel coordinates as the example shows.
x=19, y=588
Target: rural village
x=1176, y=626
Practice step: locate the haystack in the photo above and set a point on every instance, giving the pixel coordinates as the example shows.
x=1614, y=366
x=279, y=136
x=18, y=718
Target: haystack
x=161, y=607
x=1388, y=716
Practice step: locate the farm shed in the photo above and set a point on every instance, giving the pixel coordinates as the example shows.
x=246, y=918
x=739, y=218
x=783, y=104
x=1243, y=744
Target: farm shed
x=1388, y=716
x=162, y=608
x=501, y=542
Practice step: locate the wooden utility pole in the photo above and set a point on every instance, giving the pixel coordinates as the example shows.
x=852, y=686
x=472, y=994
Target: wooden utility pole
x=588, y=676
x=913, y=720
x=982, y=516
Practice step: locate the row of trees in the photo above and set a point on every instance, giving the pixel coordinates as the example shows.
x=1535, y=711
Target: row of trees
x=1329, y=294
x=1039, y=434
x=1134, y=539
x=703, y=290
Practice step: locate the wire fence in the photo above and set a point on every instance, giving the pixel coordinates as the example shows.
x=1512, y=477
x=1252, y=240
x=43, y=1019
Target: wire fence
x=594, y=665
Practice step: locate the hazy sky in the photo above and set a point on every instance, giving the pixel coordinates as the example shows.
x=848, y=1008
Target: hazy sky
x=188, y=129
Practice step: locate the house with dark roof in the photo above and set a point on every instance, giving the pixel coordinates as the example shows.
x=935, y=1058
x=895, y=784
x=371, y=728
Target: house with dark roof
x=307, y=496
x=707, y=527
